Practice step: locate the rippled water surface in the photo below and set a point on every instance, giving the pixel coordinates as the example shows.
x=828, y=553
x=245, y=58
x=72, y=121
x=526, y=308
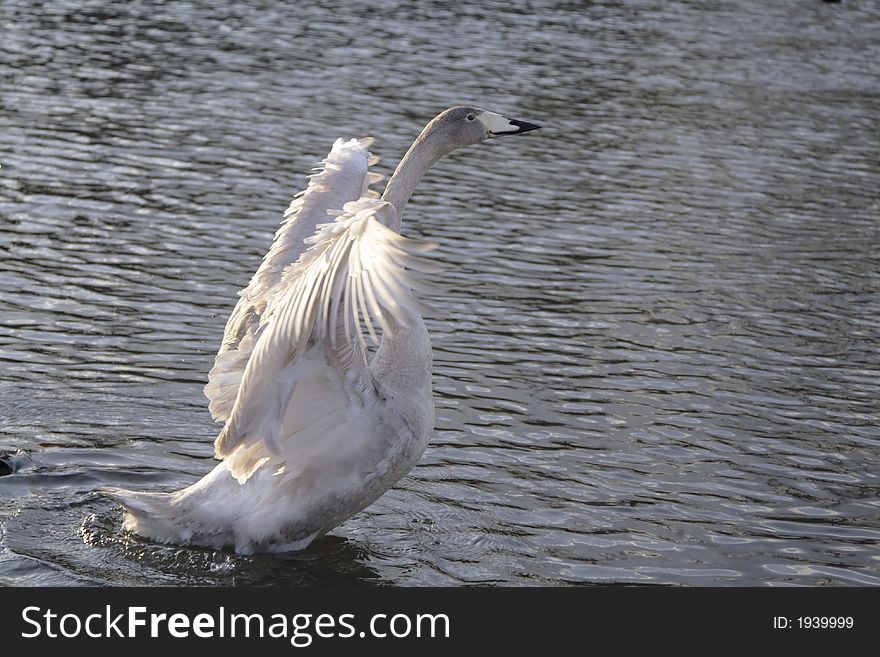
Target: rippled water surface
x=657, y=329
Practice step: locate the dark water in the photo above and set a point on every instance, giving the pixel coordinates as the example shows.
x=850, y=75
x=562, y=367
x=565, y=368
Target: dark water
x=657, y=333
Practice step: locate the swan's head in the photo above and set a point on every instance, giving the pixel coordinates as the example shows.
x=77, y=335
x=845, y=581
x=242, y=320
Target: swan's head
x=464, y=125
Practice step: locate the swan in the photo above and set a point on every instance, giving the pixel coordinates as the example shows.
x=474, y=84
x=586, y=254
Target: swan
x=314, y=428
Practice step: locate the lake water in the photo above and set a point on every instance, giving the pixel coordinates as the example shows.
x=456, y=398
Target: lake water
x=657, y=329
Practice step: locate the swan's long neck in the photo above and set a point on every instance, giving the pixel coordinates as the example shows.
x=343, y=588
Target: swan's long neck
x=403, y=359
x=427, y=149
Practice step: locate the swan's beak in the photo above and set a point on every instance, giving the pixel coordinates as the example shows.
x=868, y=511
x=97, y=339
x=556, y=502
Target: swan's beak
x=501, y=125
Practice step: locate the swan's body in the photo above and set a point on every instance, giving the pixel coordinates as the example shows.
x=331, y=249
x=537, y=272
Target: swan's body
x=314, y=430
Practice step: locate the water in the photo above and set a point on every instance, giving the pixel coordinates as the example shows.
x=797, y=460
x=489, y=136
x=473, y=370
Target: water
x=656, y=334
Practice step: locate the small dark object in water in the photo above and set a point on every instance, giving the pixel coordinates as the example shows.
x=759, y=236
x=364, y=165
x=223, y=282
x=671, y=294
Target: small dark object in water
x=5, y=466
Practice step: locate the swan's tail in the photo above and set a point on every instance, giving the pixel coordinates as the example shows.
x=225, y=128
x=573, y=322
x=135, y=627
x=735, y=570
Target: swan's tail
x=149, y=514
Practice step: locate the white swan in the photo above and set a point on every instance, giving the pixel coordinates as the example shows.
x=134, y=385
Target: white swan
x=314, y=431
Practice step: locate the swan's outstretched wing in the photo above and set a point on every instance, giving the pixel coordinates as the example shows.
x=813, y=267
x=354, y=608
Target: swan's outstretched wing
x=356, y=271
x=342, y=177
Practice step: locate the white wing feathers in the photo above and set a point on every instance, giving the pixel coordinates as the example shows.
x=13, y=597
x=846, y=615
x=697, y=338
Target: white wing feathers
x=355, y=270
x=358, y=268
x=342, y=177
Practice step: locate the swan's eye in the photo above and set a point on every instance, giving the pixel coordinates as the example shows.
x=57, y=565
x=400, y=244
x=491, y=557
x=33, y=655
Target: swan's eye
x=470, y=117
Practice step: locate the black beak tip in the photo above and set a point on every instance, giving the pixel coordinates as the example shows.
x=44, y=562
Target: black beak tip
x=524, y=126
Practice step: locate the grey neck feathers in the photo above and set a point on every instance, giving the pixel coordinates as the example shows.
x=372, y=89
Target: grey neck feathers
x=430, y=146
